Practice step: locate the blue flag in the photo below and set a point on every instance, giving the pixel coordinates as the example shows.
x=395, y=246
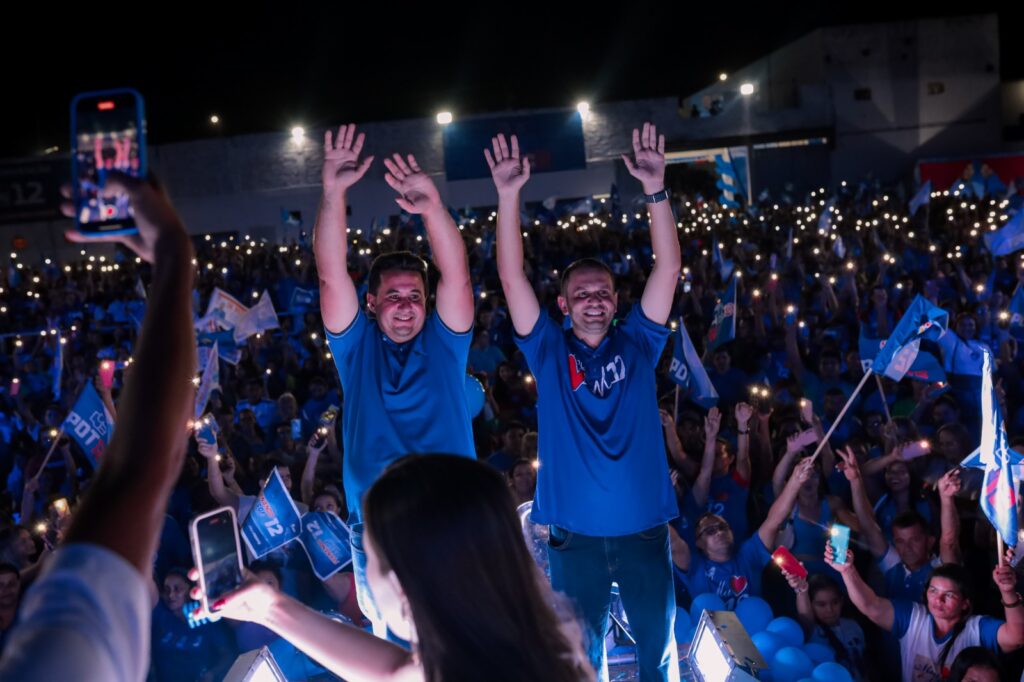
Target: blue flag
x=303, y=300
x=688, y=372
x=325, y=538
x=922, y=198
x=926, y=367
x=274, y=520
x=724, y=265
x=1017, y=308
x=922, y=320
x=999, y=487
x=1007, y=239
x=723, y=327
x=90, y=424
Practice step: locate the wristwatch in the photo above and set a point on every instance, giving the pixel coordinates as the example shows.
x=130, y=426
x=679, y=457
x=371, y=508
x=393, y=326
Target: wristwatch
x=656, y=197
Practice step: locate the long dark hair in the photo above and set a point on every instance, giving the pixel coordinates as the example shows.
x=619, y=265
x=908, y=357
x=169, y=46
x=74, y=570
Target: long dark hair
x=447, y=527
x=845, y=657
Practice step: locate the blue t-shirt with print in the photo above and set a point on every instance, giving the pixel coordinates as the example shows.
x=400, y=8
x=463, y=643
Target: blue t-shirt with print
x=731, y=580
x=603, y=470
x=727, y=497
x=400, y=399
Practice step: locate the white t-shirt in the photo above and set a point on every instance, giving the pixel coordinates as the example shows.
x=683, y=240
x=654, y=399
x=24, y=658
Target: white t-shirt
x=915, y=628
x=87, y=617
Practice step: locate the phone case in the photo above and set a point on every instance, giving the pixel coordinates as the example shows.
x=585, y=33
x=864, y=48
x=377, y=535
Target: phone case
x=839, y=538
x=197, y=555
x=785, y=560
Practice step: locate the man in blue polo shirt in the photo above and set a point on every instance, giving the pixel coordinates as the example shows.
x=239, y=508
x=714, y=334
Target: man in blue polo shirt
x=403, y=371
x=603, y=484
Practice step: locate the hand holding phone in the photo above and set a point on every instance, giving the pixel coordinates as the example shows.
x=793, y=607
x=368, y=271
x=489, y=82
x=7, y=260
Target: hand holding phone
x=217, y=553
x=785, y=560
x=839, y=539
x=108, y=135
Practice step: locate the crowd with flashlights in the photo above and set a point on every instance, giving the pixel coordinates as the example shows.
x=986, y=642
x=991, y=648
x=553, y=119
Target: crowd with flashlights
x=813, y=281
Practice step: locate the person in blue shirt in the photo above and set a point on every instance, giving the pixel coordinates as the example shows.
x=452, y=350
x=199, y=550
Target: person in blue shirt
x=907, y=562
x=402, y=372
x=603, y=484
x=722, y=486
x=932, y=634
x=733, y=572
x=264, y=409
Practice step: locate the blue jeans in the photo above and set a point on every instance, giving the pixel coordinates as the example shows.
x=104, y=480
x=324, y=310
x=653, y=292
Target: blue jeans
x=363, y=594
x=584, y=568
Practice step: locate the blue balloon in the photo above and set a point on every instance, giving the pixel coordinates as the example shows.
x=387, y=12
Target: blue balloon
x=683, y=624
x=788, y=629
x=831, y=671
x=705, y=602
x=819, y=653
x=791, y=663
x=767, y=643
x=474, y=395
x=754, y=613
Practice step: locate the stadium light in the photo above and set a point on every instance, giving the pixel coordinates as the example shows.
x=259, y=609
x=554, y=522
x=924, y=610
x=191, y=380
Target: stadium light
x=723, y=76
x=214, y=119
x=747, y=89
x=298, y=132
x=584, y=109
x=444, y=118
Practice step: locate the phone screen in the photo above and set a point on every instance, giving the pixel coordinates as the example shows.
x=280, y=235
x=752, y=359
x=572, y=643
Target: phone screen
x=108, y=134
x=839, y=537
x=217, y=554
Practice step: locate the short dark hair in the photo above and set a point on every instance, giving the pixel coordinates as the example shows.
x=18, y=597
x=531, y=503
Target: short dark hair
x=8, y=567
x=909, y=519
x=584, y=265
x=402, y=261
x=325, y=492
x=268, y=566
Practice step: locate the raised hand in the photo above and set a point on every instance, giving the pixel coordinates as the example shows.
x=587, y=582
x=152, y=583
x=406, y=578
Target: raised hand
x=841, y=568
x=417, y=190
x=342, y=167
x=949, y=484
x=712, y=422
x=509, y=171
x=648, y=162
x=849, y=464
x=154, y=217
x=743, y=414
x=798, y=584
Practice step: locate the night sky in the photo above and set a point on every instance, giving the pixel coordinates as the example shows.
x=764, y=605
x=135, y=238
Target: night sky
x=265, y=67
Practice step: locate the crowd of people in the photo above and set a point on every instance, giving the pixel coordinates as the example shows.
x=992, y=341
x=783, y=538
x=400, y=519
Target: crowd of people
x=562, y=315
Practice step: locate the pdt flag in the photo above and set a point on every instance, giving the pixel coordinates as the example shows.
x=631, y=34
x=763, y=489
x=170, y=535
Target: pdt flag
x=325, y=537
x=1000, y=485
x=688, y=372
x=1007, y=239
x=723, y=327
x=922, y=320
x=926, y=367
x=90, y=424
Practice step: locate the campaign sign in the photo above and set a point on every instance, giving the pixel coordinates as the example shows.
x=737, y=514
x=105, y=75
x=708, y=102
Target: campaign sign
x=325, y=537
x=274, y=520
x=90, y=424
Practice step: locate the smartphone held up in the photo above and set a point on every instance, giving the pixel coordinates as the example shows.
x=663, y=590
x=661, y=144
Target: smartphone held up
x=108, y=134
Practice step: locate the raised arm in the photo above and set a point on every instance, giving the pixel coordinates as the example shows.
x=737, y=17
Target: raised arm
x=339, y=301
x=419, y=195
x=1011, y=633
x=215, y=478
x=877, y=609
x=648, y=166
x=346, y=651
x=675, y=446
x=743, y=414
x=510, y=172
x=785, y=465
x=949, y=537
x=125, y=505
x=712, y=422
x=314, y=447
x=783, y=504
x=869, y=527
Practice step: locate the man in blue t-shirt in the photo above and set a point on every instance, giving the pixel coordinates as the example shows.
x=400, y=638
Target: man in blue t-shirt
x=719, y=567
x=603, y=484
x=403, y=372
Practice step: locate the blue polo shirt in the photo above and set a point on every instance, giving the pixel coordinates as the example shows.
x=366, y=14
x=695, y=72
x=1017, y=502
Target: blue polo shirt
x=900, y=581
x=400, y=398
x=603, y=470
